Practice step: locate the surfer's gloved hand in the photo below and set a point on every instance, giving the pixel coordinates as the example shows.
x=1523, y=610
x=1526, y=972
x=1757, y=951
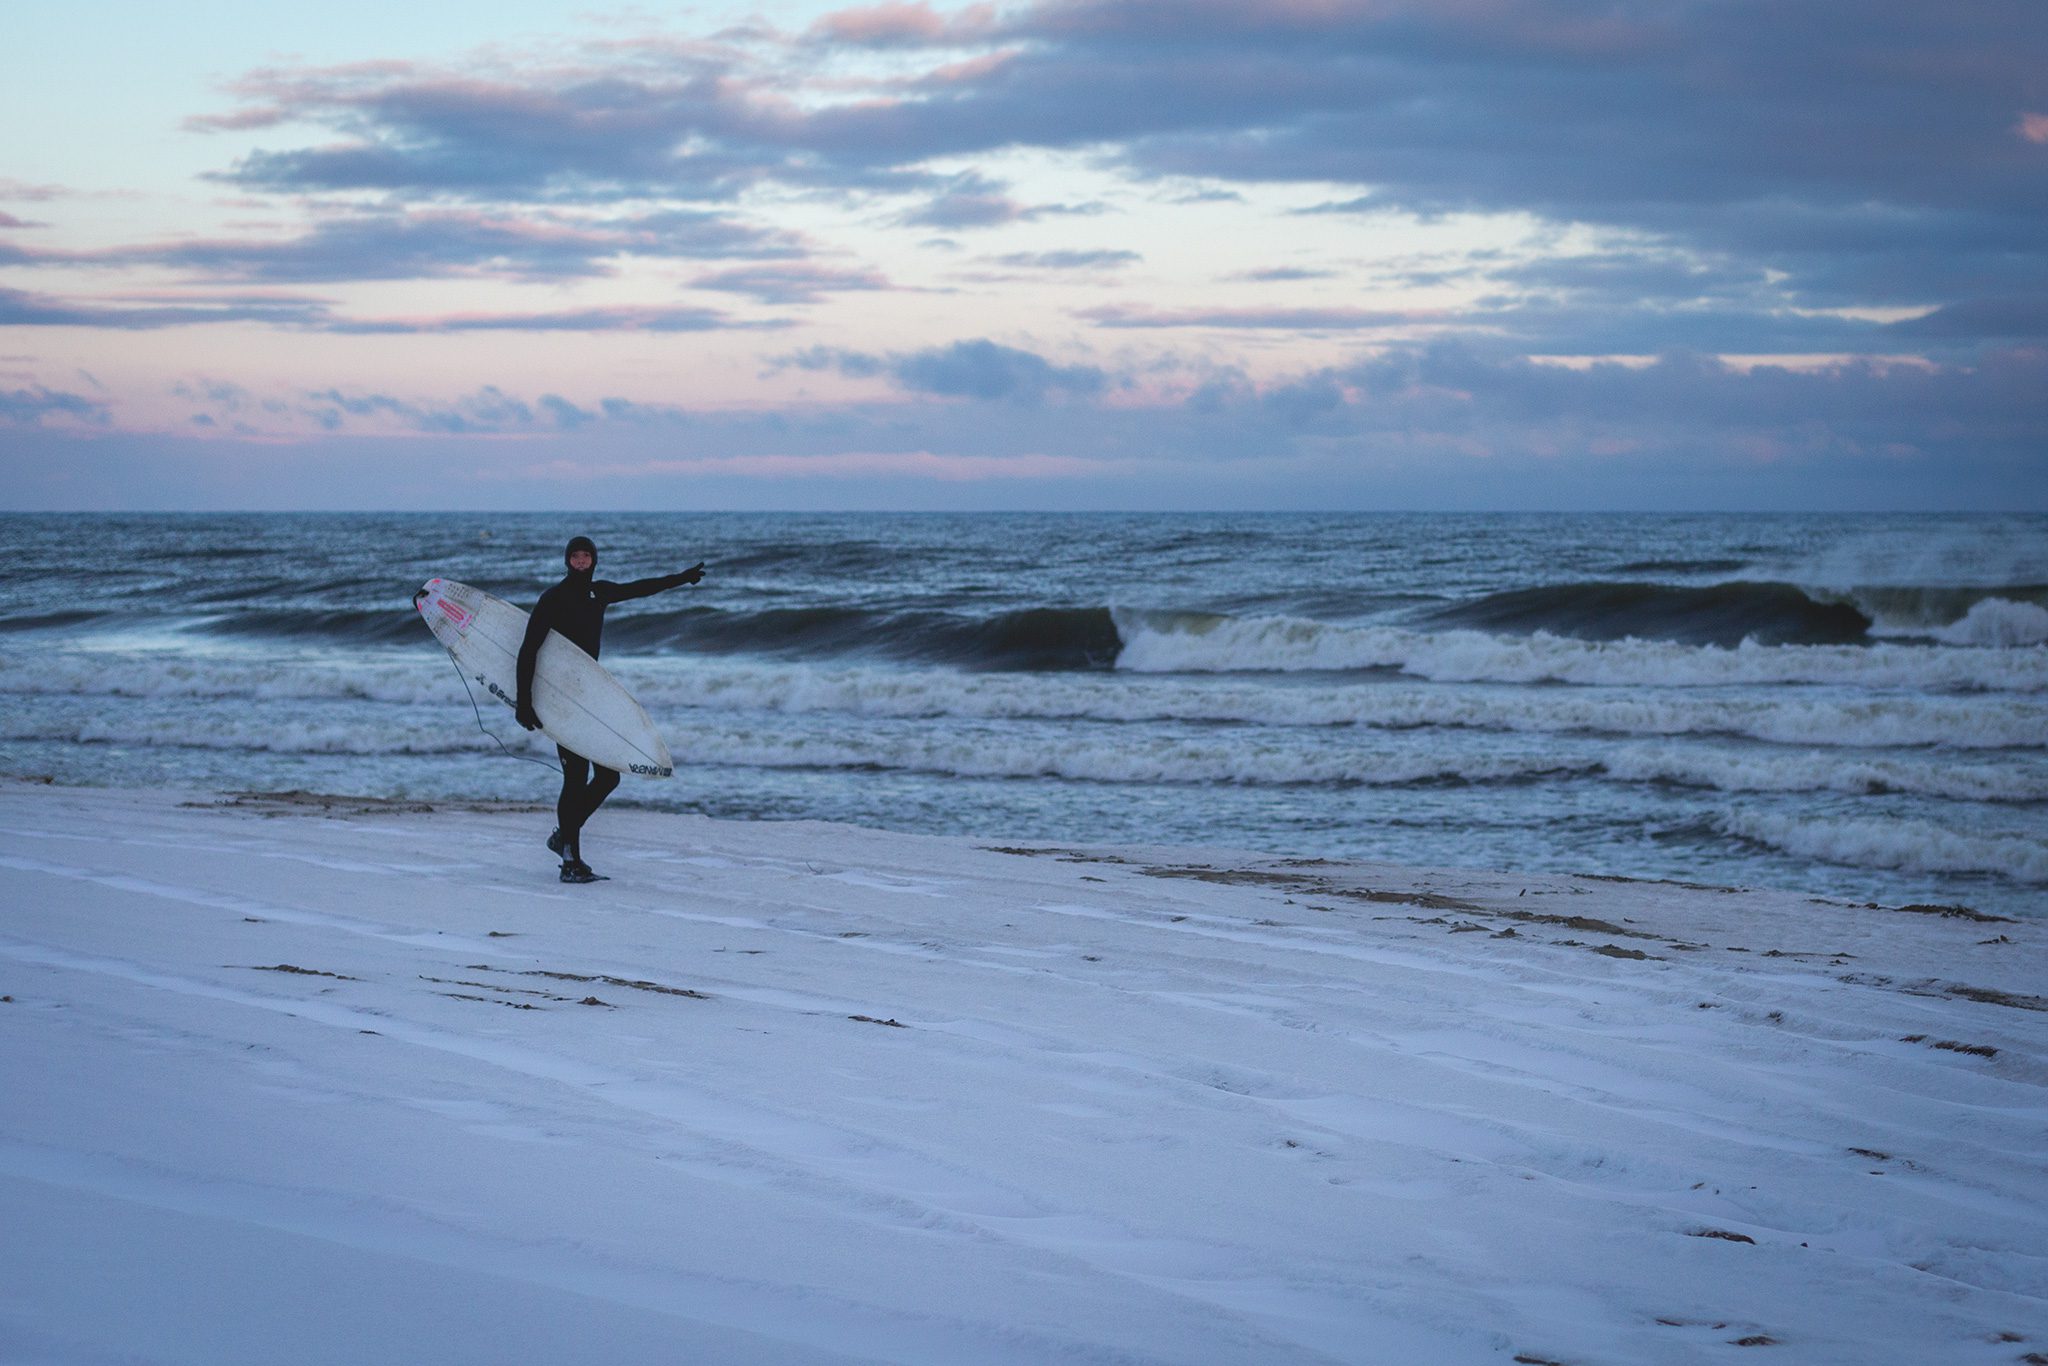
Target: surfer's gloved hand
x=694, y=574
x=527, y=718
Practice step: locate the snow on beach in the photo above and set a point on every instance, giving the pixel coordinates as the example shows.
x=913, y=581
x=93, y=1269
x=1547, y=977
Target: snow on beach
x=293, y=1079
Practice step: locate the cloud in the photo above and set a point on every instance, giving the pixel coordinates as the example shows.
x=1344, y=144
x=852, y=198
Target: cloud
x=1282, y=275
x=973, y=201
x=615, y=121
x=2016, y=318
x=1104, y=259
x=978, y=369
x=488, y=411
x=1444, y=397
x=1865, y=151
x=618, y=319
x=23, y=190
x=39, y=406
x=19, y=308
x=1279, y=318
x=1436, y=426
x=1638, y=276
x=790, y=284
x=905, y=25
x=444, y=244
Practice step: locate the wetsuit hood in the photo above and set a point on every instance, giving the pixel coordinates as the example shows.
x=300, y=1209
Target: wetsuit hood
x=580, y=543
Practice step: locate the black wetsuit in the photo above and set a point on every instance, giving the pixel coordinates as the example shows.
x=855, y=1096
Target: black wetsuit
x=575, y=607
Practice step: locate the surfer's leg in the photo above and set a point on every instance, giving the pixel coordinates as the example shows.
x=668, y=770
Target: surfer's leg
x=600, y=786
x=602, y=782
x=569, y=807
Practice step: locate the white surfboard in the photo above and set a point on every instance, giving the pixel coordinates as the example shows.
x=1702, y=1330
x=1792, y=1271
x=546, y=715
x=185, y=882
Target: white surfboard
x=581, y=707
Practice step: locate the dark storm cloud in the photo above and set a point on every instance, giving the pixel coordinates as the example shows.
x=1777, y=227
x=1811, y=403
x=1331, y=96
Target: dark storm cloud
x=1868, y=146
x=1863, y=152
x=1632, y=277
x=629, y=121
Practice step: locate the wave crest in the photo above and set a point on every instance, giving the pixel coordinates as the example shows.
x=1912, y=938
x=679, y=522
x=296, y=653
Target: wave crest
x=1176, y=642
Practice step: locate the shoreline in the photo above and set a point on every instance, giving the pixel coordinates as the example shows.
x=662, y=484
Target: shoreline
x=305, y=801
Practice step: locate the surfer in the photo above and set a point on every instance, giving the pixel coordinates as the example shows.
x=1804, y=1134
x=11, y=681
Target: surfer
x=575, y=607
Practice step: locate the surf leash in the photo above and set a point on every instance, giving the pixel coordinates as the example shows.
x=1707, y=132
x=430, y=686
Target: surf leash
x=554, y=764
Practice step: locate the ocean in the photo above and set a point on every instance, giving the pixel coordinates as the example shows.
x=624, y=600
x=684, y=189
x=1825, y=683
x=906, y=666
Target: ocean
x=1851, y=706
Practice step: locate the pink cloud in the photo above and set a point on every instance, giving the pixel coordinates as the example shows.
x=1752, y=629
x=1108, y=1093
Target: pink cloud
x=2033, y=127
x=21, y=189
x=1288, y=319
x=969, y=72
x=909, y=24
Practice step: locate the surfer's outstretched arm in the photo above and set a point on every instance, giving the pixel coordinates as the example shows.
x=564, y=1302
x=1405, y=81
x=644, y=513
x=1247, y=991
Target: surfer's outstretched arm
x=647, y=588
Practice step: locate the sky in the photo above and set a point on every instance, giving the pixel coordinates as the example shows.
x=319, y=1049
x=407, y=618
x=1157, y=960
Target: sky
x=1314, y=254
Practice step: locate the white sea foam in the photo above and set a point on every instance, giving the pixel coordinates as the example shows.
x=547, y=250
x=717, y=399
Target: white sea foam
x=1912, y=845
x=1809, y=717
x=1116, y=759
x=1998, y=622
x=1860, y=720
x=265, y=733
x=425, y=679
x=1247, y=760
x=1787, y=770
x=1098, y=754
x=1185, y=643
x=1985, y=551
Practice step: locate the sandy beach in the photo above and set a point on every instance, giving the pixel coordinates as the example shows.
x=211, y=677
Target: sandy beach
x=326, y=1080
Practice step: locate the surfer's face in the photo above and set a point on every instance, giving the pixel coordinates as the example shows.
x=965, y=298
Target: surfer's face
x=581, y=560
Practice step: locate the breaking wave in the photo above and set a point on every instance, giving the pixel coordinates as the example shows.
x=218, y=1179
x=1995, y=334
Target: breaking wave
x=1599, y=633
x=1911, y=845
x=1037, y=639
x=1183, y=642
x=1723, y=614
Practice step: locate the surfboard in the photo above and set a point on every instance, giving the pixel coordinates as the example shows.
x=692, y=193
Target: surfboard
x=581, y=707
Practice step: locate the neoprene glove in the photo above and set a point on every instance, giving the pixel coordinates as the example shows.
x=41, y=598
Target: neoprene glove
x=527, y=718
